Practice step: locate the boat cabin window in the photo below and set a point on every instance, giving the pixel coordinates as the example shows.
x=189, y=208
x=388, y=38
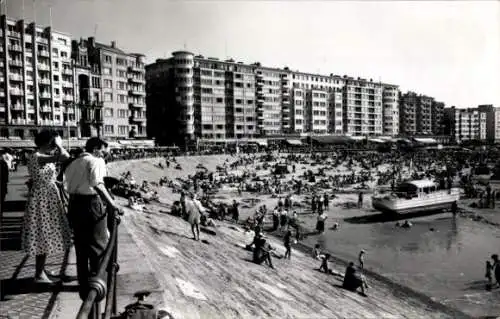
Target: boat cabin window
x=428, y=190
x=407, y=190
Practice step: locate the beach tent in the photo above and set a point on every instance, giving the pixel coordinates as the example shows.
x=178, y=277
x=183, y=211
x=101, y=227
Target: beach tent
x=377, y=140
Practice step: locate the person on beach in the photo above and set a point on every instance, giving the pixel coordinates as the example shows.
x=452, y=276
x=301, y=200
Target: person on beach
x=489, y=275
x=86, y=211
x=283, y=219
x=361, y=259
x=276, y=219
x=194, y=216
x=360, y=200
x=353, y=280
x=496, y=268
x=45, y=226
x=316, y=253
x=288, y=245
x=235, y=211
x=320, y=224
x=324, y=264
x=4, y=181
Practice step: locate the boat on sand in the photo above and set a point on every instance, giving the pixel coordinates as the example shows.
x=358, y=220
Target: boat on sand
x=415, y=196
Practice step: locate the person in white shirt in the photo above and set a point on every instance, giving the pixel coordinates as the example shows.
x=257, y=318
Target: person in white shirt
x=86, y=212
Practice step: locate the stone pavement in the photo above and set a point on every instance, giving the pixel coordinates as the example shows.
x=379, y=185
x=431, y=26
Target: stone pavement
x=22, y=299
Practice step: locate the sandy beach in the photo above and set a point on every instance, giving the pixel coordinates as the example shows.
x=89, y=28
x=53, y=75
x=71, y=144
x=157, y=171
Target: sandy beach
x=168, y=237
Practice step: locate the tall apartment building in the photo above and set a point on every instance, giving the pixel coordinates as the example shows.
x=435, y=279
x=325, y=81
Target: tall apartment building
x=192, y=97
x=492, y=121
x=437, y=118
x=420, y=114
x=390, y=103
x=110, y=90
x=36, y=80
x=466, y=124
x=77, y=88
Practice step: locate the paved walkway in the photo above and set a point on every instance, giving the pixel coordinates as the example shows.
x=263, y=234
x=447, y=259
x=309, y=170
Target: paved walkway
x=22, y=299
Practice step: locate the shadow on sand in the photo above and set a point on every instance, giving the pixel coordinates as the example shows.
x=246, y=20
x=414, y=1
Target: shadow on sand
x=381, y=217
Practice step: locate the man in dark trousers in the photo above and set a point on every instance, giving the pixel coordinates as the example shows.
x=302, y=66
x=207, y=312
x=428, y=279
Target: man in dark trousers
x=86, y=212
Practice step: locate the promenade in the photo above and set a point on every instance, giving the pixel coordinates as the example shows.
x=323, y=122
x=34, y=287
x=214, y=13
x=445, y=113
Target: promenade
x=22, y=300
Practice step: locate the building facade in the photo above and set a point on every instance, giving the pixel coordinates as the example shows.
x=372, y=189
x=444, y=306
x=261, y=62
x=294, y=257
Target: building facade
x=466, y=124
x=492, y=121
x=36, y=80
x=209, y=99
x=420, y=115
x=79, y=88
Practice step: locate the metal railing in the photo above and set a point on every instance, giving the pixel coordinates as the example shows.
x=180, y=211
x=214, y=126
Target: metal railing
x=98, y=287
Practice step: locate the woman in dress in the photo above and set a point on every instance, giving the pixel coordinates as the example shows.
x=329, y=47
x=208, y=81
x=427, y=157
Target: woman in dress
x=46, y=229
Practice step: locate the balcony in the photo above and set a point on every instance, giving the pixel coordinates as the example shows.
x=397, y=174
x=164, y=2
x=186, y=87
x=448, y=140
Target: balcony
x=67, y=97
x=45, y=95
x=136, y=79
x=16, y=92
x=134, y=119
x=136, y=91
x=66, y=84
x=16, y=48
x=18, y=121
x=69, y=110
x=18, y=63
x=46, y=109
x=135, y=68
x=46, y=122
x=16, y=77
x=42, y=40
x=136, y=105
x=17, y=107
x=44, y=81
x=14, y=34
x=2, y=93
x=44, y=53
x=43, y=67
x=67, y=71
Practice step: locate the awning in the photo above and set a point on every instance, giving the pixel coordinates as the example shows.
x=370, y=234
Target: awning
x=294, y=142
x=331, y=139
x=425, y=140
x=357, y=138
x=377, y=140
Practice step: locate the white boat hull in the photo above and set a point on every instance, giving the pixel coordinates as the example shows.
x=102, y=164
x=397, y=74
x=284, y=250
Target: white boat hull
x=429, y=202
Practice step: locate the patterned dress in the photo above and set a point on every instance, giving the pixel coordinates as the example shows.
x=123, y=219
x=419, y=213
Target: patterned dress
x=46, y=229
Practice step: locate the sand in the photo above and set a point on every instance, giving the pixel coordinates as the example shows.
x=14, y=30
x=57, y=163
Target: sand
x=218, y=280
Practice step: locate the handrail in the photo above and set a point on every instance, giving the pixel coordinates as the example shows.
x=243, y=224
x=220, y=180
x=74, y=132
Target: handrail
x=97, y=285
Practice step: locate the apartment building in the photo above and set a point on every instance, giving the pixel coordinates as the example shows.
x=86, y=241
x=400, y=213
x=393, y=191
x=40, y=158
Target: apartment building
x=466, y=124
x=420, y=115
x=211, y=99
x=390, y=103
x=363, y=110
x=36, y=80
x=492, y=121
x=437, y=118
x=111, y=90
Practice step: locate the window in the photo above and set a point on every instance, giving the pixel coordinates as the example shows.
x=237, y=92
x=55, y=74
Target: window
x=96, y=82
x=108, y=84
x=122, y=98
x=108, y=97
x=122, y=113
x=54, y=50
x=64, y=54
x=122, y=129
x=108, y=129
x=56, y=65
x=107, y=59
x=108, y=112
x=121, y=73
x=121, y=85
x=120, y=61
x=106, y=71
x=56, y=78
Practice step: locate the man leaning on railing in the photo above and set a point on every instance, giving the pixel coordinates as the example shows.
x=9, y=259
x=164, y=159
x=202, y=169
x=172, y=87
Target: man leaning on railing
x=86, y=213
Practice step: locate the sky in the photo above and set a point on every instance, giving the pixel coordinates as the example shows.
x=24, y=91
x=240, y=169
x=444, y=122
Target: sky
x=448, y=50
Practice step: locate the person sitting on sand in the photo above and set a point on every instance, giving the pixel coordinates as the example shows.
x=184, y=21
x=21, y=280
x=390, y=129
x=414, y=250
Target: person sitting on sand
x=262, y=251
x=352, y=280
x=316, y=253
x=324, y=264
